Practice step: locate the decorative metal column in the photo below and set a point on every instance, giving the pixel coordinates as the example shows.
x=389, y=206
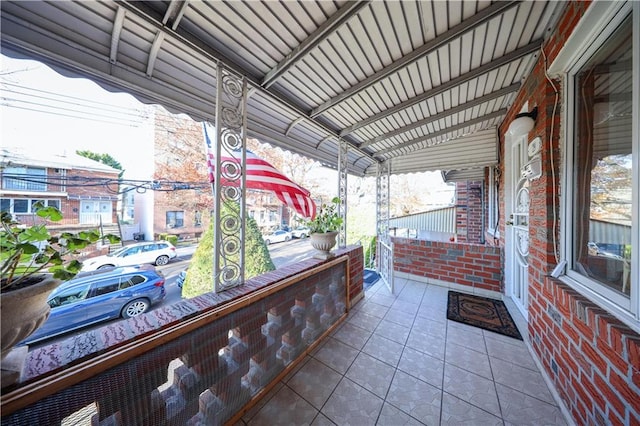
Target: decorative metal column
x=382, y=201
x=384, y=246
x=343, y=165
x=230, y=180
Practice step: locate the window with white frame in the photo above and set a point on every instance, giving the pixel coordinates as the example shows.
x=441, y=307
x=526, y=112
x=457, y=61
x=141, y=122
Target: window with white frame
x=25, y=205
x=601, y=231
x=175, y=219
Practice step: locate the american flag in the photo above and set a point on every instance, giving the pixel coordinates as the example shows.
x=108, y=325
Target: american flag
x=262, y=175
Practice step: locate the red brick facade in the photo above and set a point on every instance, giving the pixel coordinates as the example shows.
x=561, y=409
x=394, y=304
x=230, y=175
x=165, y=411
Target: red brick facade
x=472, y=265
x=592, y=358
x=469, y=212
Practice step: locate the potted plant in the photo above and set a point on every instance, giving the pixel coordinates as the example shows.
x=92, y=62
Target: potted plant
x=324, y=228
x=33, y=263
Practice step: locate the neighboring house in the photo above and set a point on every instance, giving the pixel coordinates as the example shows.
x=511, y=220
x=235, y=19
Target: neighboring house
x=268, y=212
x=179, y=156
x=85, y=190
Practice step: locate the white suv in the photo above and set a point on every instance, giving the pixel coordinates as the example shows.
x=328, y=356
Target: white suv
x=156, y=252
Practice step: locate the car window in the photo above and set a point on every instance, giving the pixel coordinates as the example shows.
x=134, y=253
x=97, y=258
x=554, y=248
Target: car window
x=71, y=295
x=127, y=282
x=105, y=287
x=131, y=251
x=149, y=247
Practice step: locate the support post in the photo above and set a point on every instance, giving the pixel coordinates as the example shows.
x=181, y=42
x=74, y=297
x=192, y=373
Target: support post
x=230, y=180
x=343, y=165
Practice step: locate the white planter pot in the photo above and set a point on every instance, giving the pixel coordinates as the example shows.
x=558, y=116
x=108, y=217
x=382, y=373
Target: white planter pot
x=23, y=311
x=323, y=243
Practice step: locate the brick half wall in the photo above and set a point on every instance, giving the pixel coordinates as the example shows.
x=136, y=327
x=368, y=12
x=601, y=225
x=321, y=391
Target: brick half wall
x=474, y=267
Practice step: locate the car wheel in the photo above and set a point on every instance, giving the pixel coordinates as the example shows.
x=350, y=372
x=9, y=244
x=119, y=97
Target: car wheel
x=104, y=266
x=287, y=239
x=162, y=260
x=135, y=308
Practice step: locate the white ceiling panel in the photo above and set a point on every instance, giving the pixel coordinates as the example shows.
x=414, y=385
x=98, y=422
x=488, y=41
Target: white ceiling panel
x=391, y=79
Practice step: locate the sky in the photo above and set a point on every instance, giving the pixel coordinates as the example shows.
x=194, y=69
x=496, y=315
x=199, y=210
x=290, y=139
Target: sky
x=44, y=110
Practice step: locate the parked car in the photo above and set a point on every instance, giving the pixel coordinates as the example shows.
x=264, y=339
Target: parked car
x=181, y=277
x=301, y=232
x=277, y=237
x=92, y=297
x=156, y=252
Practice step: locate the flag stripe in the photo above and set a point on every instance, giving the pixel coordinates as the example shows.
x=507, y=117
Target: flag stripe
x=262, y=175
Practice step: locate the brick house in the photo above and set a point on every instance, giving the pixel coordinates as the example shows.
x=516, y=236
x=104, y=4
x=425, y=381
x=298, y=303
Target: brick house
x=540, y=197
x=85, y=190
x=179, y=156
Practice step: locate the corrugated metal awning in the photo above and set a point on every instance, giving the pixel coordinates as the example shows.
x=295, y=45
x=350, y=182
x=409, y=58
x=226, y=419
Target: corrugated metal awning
x=421, y=83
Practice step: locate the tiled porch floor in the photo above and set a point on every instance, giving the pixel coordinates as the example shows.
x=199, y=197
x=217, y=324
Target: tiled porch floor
x=397, y=360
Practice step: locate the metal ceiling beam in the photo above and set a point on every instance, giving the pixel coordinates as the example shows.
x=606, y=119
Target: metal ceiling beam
x=318, y=36
x=475, y=102
x=175, y=12
x=257, y=129
x=153, y=53
x=139, y=10
x=467, y=25
x=118, y=24
x=503, y=60
x=416, y=141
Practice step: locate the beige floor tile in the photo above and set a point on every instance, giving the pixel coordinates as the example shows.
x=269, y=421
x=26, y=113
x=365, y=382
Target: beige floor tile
x=285, y=408
x=392, y=331
x=383, y=349
x=315, y=382
x=371, y=374
x=352, y=335
x=416, y=398
x=336, y=355
x=468, y=359
x=521, y=379
x=458, y=412
x=521, y=409
x=472, y=388
x=422, y=366
x=351, y=404
x=391, y=416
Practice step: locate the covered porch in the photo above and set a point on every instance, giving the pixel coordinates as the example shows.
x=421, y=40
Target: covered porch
x=375, y=89
x=397, y=360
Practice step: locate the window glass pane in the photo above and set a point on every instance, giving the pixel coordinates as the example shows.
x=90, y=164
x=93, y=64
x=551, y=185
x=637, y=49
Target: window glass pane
x=54, y=203
x=21, y=206
x=5, y=205
x=106, y=287
x=603, y=164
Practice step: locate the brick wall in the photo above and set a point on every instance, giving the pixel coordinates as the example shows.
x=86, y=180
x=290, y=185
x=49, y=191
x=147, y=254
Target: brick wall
x=590, y=356
x=471, y=265
x=469, y=212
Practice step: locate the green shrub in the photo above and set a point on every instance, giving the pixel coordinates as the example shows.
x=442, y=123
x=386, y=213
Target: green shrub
x=173, y=239
x=200, y=272
x=370, y=252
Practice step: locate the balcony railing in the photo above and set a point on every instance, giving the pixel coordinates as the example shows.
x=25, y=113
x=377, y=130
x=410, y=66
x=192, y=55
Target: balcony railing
x=96, y=218
x=11, y=184
x=207, y=366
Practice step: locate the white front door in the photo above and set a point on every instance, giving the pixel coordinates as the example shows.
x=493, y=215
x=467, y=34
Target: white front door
x=517, y=224
x=95, y=212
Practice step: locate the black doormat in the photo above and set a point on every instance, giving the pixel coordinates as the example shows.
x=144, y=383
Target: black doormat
x=370, y=278
x=490, y=314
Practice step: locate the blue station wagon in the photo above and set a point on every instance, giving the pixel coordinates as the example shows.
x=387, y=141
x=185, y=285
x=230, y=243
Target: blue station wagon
x=101, y=295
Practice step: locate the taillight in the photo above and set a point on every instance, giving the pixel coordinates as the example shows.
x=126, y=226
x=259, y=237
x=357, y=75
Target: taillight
x=159, y=283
